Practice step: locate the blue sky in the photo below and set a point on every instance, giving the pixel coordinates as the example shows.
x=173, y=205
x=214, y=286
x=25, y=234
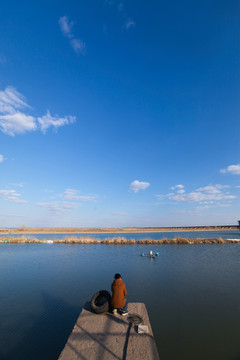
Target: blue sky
x=119, y=113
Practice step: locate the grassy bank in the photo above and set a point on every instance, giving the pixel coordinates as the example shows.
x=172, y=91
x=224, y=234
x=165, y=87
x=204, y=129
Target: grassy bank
x=42, y=230
x=115, y=241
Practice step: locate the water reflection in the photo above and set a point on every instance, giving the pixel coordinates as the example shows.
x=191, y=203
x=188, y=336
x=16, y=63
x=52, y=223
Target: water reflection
x=191, y=293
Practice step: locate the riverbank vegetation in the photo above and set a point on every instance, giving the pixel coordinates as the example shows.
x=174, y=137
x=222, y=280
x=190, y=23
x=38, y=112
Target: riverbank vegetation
x=42, y=230
x=115, y=241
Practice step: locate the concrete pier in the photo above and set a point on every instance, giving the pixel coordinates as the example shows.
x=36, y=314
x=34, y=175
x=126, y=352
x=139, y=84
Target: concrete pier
x=110, y=337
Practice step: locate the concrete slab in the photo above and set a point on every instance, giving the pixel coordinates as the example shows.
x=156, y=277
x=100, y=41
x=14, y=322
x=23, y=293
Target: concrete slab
x=110, y=337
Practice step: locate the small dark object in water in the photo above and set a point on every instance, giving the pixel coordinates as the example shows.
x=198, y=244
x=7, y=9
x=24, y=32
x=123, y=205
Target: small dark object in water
x=100, y=301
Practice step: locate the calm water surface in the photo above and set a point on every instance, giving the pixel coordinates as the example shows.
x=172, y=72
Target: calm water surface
x=228, y=234
x=192, y=294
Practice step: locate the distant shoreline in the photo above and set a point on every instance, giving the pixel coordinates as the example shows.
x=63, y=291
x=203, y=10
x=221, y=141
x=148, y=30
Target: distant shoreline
x=25, y=230
x=115, y=241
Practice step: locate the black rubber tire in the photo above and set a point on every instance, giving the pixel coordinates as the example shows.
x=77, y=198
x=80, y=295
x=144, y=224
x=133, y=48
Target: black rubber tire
x=100, y=302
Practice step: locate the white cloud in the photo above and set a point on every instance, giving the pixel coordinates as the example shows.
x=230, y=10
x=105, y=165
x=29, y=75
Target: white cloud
x=6, y=193
x=181, y=191
x=139, y=185
x=17, y=123
x=211, y=189
x=11, y=100
x=196, y=196
x=129, y=23
x=177, y=187
x=205, y=207
x=13, y=121
x=232, y=169
x=66, y=27
x=165, y=196
x=207, y=202
x=12, y=195
x=197, y=211
x=200, y=210
x=58, y=207
x=78, y=46
x=61, y=207
x=17, y=200
x=72, y=194
x=1, y=158
x=48, y=120
x=207, y=194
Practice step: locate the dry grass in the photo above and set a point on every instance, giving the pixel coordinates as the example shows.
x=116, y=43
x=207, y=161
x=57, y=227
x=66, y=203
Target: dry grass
x=116, y=241
x=49, y=230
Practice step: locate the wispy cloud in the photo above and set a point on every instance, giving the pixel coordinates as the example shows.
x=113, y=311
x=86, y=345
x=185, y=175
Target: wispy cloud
x=66, y=27
x=119, y=213
x=200, y=210
x=18, y=184
x=11, y=101
x=213, y=189
x=17, y=200
x=1, y=158
x=12, y=195
x=109, y=2
x=48, y=120
x=139, y=185
x=181, y=191
x=203, y=194
x=129, y=23
x=58, y=207
x=232, y=169
x=72, y=194
x=177, y=187
x=12, y=216
x=78, y=46
x=3, y=59
x=120, y=7
x=67, y=204
x=14, y=117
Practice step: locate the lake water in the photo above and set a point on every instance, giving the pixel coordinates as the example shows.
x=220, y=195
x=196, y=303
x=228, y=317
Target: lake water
x=192, y=294
x=229, y=234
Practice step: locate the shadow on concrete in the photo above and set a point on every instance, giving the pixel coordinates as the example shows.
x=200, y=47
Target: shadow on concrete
x=126, y=342
x=97, y=338
x=47, y=337
x=87, y=336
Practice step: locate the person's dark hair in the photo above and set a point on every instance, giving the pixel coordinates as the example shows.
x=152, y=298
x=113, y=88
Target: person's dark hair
x=117, y=276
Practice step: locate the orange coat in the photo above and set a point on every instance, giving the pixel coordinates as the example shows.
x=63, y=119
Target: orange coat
x=118, y=293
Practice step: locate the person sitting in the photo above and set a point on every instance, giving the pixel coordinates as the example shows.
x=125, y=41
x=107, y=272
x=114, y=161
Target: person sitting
x=119, y=292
